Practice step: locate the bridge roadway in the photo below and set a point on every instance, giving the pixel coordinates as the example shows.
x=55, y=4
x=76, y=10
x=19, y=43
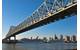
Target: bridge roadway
x=72, y=9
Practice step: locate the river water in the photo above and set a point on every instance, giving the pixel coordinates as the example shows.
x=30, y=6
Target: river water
x=39, y=46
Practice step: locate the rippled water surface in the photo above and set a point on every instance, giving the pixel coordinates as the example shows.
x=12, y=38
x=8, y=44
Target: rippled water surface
x=39, y=46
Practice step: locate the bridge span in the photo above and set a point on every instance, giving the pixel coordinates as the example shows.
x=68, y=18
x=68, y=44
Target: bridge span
x=49, y=11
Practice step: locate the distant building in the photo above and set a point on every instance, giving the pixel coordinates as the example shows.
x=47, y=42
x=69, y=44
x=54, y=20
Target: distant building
x=67, y=38
x=50, y=38
x=31, y=38
x=55, y=37
x=61, y=37
x=74, y=38
x=45, y=39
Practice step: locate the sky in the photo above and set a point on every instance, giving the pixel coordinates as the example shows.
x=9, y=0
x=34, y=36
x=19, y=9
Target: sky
x=16, y=11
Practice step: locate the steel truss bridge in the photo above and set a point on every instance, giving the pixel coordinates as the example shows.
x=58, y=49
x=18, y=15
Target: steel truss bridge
x=49, y=11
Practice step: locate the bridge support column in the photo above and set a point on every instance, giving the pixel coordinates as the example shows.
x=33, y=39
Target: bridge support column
x=15, y=38
x=9, y=39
